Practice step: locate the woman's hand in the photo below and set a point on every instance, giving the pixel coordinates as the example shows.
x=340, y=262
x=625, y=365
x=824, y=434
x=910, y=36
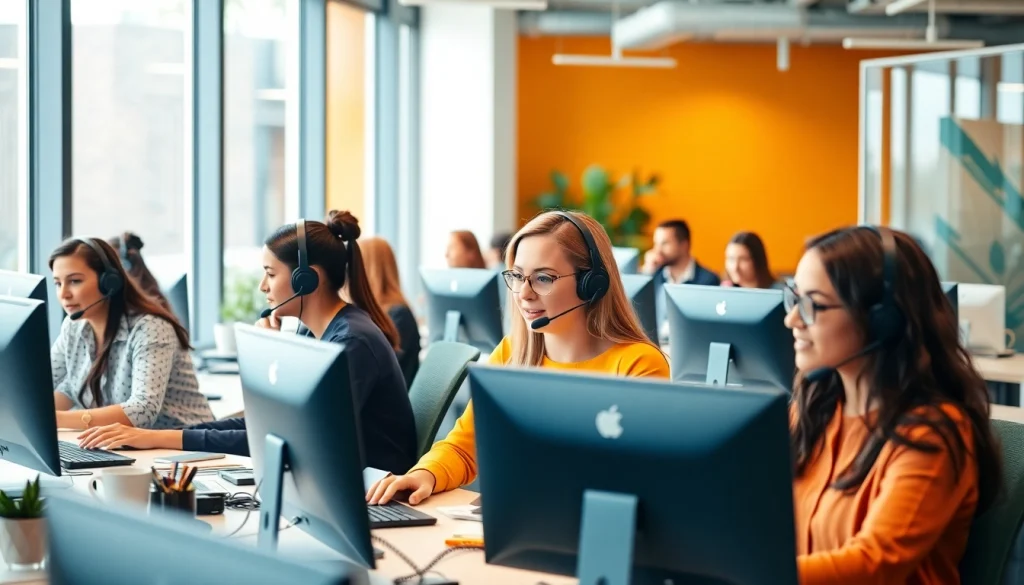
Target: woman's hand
x=271, y=322
x=420, y=482
x=118, y=435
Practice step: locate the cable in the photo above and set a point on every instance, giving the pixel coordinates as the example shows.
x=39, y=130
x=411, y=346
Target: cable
x=419, y=573
x=291, y=524
x=235, y=504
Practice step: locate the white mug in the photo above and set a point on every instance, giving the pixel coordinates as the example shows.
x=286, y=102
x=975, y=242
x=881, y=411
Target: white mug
x=123, y=485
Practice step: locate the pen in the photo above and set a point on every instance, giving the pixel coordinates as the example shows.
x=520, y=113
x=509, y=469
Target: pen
x=467, y=542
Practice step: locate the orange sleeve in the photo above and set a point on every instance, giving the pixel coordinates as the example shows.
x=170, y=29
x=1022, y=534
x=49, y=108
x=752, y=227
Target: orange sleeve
x=918, y=497
x=452, y=461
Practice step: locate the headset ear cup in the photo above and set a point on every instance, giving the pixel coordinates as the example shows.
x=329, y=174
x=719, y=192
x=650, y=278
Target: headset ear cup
x=885, y=323
x=598, y=284
x=110, y=283
x=305, y=280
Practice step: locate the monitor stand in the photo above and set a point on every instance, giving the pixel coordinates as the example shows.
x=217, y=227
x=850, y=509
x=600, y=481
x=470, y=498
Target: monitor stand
x=452, y=320
x=275, y=455
x=607, y=532
x=718, y=364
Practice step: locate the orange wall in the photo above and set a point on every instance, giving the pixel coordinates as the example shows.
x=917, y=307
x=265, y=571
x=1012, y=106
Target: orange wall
x=738, y=144
x=346, y=108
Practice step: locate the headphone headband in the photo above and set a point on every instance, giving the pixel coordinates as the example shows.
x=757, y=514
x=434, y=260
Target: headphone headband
x=592, y=283
x=305, y=280
x=110, y=282
x=885, y=319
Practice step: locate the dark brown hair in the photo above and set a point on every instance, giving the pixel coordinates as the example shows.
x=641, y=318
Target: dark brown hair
x=130, y=300
x=128, y=246
x=925, y=367
x=332, y=246
x=755, y=247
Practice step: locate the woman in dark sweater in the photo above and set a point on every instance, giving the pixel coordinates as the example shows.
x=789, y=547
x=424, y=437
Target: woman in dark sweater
x=377, y=385
x=382, y=276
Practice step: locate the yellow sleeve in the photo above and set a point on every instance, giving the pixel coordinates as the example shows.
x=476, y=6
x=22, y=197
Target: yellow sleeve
x=452, y=461
x=643, y=360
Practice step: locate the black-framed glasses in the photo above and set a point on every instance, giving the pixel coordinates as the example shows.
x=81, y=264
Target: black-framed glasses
x=806, y=307
x=542, y=283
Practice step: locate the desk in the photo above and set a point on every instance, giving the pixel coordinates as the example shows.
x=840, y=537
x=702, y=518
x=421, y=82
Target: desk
x=228, y=387
x=421, y=544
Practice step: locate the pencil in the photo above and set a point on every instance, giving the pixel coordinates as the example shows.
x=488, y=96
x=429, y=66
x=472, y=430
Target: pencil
x=174, y=473
x=158, y=480
x=179, y=485
x=188, y=478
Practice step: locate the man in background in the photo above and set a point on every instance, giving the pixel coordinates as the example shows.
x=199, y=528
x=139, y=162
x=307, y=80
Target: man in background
x=669, y=261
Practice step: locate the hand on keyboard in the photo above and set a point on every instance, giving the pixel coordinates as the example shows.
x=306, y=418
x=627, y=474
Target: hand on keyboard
x=119, y=435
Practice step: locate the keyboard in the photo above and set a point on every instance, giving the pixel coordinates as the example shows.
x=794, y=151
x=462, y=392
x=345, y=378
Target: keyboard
x=395, y=515
x=74, y=457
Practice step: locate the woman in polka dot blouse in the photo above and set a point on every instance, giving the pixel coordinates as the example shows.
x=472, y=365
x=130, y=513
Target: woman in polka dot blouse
x=120, y=357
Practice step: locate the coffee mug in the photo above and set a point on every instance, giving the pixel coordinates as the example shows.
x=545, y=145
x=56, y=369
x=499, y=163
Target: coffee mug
x=123, y=485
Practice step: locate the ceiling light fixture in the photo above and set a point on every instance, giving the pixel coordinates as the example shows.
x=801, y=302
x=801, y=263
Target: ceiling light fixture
x=615, y=59
x=930, y=42
x=502, y=4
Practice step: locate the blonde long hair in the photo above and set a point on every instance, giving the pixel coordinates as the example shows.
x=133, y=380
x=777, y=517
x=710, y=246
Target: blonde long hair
x=611, y=317
x=382, y=272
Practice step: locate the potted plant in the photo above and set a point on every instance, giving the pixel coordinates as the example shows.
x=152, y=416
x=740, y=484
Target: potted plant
x=22, y=527
x=241, y=304
x=602, y=199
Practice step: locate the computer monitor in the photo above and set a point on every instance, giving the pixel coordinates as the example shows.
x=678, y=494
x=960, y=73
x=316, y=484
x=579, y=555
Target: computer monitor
x=177, y=296
x=637, y=473
x=91, y=544
x=28, y=427
x=640, y=290
x=952, y=293
x=729, y=335
x=464, y=305
x=627, y=259
x=982, y=314
x=300, y=418
x=22, y=284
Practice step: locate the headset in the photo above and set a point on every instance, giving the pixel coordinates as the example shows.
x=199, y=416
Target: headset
x=305, y=280
x=886, y=321
x=591, y=283
x=111, y=281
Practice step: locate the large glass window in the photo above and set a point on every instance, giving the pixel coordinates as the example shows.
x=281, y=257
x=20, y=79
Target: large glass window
x=128, y=159
x=350, y=101
x=256, y=33
x=13, y=125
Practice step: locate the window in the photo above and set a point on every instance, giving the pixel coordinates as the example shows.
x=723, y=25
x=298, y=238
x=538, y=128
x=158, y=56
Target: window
x=255, y=97
x=350, y=107
x=128, y=133
x=13, y=133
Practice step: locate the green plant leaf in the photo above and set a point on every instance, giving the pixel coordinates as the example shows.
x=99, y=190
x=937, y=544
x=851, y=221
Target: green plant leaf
x=549, y=201
x=595, y=182
x=560, y=181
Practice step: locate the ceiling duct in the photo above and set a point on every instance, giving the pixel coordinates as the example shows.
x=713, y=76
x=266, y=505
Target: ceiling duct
x=669, y=22
x=1002, y=7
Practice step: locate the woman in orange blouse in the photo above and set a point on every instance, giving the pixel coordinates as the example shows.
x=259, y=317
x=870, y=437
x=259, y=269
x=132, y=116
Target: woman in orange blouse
x=893, y=448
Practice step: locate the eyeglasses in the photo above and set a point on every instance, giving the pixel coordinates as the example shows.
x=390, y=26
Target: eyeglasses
x=805, y=306
x=542, y=283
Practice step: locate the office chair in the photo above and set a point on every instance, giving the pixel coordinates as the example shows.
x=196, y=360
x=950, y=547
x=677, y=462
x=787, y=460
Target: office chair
x=994, y=547
x=441, y=373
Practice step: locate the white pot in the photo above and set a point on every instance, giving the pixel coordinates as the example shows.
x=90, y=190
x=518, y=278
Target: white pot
x=23, y=542
x=224, y=338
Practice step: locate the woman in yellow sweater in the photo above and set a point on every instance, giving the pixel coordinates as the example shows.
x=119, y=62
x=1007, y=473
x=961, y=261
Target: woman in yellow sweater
x=890, y=427
x=575, y=316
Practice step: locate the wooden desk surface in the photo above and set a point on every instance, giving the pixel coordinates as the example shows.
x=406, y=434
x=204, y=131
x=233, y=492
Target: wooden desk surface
x=1009, y=370
x=421, y=544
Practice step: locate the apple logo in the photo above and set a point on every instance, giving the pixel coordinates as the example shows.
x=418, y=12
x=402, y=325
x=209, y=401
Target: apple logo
x=720, y=308
x=272, y=373
x=454, y=286
x=609, y=423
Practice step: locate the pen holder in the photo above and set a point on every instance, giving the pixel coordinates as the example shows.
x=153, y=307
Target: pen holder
x=182, y=502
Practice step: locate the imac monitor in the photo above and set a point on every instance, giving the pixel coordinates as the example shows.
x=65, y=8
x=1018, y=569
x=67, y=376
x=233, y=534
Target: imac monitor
x=951, y=289
x=982, y=315
x=722, y=335
x=464, y=305
x=300, y=417
x=598, y=442
x=640, y=290
x=28, y=428
x=22, y=284
x=177, y=296
x=105, y=545
x=627, y=259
